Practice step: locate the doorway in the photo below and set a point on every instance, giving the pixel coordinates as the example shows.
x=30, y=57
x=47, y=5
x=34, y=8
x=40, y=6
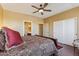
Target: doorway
x=41, y=29
x=27, y=28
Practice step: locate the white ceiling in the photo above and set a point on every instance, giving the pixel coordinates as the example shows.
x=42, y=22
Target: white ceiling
x=27, y=9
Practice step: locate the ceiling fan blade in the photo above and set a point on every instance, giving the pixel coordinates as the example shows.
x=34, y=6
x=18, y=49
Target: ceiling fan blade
x=35, y=11
x=35, y=7
x=41, y=13
x=47, y=10
x=45, y=5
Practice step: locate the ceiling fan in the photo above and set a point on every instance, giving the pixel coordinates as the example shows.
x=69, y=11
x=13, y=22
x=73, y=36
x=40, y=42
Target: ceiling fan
x=41, y=9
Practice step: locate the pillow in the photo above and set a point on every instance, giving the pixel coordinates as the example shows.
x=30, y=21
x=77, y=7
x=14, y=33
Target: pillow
x=13, y=37
x=2, y=41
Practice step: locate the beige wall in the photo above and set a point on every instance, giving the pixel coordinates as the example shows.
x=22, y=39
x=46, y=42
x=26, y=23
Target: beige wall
x=61, y=16
x=16, y=21
x=1, y=15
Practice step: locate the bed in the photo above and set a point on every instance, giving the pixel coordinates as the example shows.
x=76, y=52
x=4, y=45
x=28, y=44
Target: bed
x=33, y=46
x=12, y=44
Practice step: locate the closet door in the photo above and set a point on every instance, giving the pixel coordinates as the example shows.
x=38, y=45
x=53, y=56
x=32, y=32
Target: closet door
x=58, y=31
x=65, y=31
x=70, y=31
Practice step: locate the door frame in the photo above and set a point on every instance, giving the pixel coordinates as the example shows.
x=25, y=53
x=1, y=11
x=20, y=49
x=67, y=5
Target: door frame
x=24, y=26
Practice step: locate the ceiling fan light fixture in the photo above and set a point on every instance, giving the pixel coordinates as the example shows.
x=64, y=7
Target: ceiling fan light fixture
x=41, y=10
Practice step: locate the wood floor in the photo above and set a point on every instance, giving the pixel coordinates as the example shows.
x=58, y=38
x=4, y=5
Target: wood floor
x=68, y=51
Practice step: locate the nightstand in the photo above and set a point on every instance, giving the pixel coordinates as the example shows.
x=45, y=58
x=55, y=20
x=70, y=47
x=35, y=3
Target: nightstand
x=76, y=45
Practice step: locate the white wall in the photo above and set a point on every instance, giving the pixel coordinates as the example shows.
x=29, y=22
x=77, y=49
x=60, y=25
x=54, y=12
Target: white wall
x=19, y=26
x=46, y=30
x=14, y=24
x=16, y=21
x=35, y=28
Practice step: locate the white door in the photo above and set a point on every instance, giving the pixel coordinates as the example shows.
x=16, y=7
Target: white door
x=70, y=30
x=58, y=30
x=65, y=31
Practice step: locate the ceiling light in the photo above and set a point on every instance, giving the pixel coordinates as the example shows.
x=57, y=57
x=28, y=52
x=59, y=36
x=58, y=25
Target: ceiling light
x=29, y=25
x=41, y=10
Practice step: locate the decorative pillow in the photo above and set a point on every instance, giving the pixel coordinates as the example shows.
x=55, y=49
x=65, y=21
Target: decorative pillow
x=13, y=37
x=2, y=41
